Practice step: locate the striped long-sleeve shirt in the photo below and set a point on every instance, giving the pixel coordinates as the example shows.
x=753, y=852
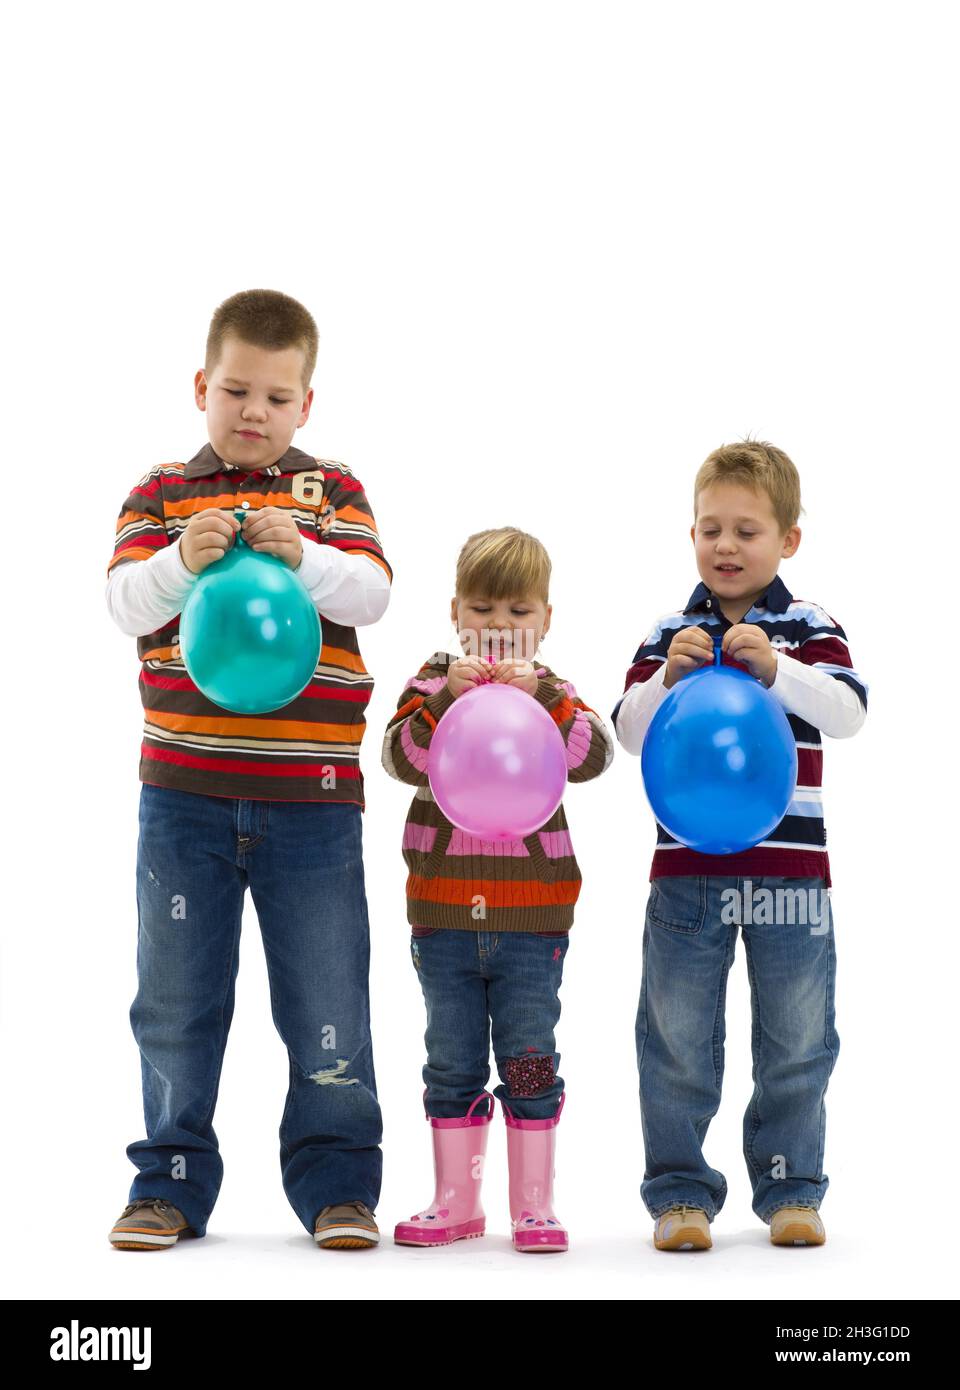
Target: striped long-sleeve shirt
x=458, y=880
x=310, y=749
x=803, y=635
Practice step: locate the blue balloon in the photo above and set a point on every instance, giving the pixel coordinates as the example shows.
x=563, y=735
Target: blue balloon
x=719, y=760
x=249, y=633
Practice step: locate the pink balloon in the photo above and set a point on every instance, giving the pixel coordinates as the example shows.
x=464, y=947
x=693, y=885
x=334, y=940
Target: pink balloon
x=497, y=765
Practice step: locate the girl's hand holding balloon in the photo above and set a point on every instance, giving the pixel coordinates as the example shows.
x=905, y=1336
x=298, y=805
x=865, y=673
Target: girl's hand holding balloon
x=274, y=531
x=513, y=671
x=466, y=674
x=689, y=649
x=750, y=645
x=209, y=535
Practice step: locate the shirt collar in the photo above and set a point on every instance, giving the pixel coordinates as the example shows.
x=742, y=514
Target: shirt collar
x=207, y=461
x=777, y=599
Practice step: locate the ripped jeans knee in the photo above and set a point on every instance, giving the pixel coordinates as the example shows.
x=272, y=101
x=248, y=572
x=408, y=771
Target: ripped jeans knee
x=334, y=1075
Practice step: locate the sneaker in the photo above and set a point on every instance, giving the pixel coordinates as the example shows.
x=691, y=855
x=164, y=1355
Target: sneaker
x=347, y=1226
x=150, y=1223
x=796, y=1226
x=682, y=1228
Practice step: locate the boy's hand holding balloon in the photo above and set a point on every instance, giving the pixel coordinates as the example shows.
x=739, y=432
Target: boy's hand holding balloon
x=690, y=648
x=742, y=642
x=719, y=759
x=209, y=535
x=751, y=646
x=250, y=634
x=274, y=531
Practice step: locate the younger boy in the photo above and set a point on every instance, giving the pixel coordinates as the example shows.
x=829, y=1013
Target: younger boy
x=268, y=801
x=746, y=505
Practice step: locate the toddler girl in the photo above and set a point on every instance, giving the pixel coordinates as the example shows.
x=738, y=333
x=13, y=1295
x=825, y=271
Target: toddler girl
x=490, y=920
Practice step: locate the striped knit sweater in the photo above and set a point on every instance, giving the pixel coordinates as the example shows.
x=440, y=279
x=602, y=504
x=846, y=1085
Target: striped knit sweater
x=457, y=880
x=798, y=630
x=310, y=749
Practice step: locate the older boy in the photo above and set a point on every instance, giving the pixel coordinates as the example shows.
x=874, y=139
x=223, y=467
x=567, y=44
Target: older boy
x=746, y=505
x=270, y=801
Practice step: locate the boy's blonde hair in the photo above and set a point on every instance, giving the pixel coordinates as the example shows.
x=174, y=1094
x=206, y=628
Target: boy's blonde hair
x=503, y=563
x=265, y=319
x=758, y=465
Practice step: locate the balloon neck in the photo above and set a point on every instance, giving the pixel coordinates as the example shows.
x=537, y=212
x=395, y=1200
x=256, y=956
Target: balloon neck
x=239, y=513
x=718, y=651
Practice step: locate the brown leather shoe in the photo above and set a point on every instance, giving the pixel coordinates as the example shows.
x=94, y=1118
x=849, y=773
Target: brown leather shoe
x=682, y=1228
x=150, y=1223
x=796, y=1226
x=347, y=1226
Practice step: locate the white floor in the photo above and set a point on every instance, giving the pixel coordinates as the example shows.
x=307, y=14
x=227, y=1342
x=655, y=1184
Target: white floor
x=282, y=1264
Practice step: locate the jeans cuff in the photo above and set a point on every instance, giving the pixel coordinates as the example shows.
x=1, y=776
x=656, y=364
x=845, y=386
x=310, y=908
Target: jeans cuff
x=790, y=1202
x=711, y=1215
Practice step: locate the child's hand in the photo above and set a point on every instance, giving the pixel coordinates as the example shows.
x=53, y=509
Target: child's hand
x=751, y=645
x=514, y=671
x=689, y=649
x=208, y=536
x=273, y=531
x=467, y=673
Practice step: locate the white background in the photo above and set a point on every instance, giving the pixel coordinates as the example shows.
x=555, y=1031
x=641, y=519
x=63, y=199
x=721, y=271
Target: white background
x=557, y=253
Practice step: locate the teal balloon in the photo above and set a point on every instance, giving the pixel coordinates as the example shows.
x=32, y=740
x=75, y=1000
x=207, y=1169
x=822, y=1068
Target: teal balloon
x=249, y=634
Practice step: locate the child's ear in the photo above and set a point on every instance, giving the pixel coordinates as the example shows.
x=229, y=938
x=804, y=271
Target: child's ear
x=791, y=542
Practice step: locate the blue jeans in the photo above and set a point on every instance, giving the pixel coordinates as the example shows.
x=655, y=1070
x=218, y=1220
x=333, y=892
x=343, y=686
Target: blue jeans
x=477, y=983
x=689, y=938
x=303, y=862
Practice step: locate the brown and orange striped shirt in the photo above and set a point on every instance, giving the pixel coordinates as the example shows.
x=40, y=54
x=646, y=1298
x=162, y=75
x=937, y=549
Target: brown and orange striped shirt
x=310, y=749
x=458, y=880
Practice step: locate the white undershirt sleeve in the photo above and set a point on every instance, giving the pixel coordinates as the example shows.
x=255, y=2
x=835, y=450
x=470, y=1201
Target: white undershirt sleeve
x=829, y=704
x=143, y=595
x=352, y=590
x=638, y=707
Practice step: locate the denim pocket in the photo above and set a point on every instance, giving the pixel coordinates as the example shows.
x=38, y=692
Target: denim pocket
x=678, y=903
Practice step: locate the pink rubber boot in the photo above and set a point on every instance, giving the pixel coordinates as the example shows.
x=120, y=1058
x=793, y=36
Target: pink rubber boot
x=459, y=1149
x=531, y=1145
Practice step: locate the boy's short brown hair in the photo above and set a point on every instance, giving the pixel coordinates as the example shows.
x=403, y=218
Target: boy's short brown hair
x=503, y=563
x=265, y=319
x=758, y=465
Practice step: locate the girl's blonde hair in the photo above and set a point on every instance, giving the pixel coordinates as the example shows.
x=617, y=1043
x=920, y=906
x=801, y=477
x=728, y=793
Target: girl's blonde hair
x=503, y=563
